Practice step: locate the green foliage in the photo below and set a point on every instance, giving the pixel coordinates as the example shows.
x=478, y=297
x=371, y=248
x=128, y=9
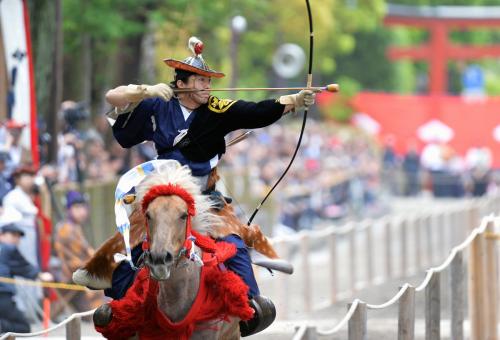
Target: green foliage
x=367, y=64
x=269, y=24
x=350, y=41
x=341, y=110
x=445, y=2
x=106, y=21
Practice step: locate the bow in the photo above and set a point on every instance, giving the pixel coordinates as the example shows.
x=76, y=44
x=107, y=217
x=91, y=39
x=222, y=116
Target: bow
x=306, y=110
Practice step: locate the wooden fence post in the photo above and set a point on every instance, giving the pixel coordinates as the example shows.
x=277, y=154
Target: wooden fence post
x=457, y=287
x=306, y=273
x=74, y=329
x=465, y=231
x=477, y=301
x=474, y=218
x=282, y=282
x=426, y=220
x=310, y=333
x=388, y=249
x=370, y=257
x=404, y=247
x=406, y=315
x=418, y=243
x=491, y=278
x=332, y=247
x=438, y=226
x=357, y=323
x=433, y=308
x=352, y=257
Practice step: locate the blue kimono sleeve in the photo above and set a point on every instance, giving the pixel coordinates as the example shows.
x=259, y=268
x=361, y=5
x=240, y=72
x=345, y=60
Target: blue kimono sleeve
x=137, y=126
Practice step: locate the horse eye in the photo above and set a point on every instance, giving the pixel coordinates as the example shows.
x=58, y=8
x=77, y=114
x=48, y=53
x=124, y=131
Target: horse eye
x=183, y=216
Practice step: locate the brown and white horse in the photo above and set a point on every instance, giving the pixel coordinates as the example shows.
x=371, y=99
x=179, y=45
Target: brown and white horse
x=174, y=210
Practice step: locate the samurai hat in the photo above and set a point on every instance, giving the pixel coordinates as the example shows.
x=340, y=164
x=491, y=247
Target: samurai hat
x=194, y=63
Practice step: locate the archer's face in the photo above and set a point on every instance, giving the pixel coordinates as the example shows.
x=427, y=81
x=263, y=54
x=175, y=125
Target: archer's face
x=200, y=83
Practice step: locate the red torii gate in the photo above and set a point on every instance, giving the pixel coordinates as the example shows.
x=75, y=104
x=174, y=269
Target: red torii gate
x=439, y=21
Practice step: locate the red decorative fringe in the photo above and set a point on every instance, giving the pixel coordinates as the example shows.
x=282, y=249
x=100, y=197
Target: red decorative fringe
x=221, y=294
x=167, y=190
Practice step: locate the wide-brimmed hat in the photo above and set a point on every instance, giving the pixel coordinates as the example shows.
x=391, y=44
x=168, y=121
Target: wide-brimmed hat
x=194, y=63
x=14, y=124
x=24, y=169
x=11, y=228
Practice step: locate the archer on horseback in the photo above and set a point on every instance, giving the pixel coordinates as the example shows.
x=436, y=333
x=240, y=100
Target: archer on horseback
x=190, y=127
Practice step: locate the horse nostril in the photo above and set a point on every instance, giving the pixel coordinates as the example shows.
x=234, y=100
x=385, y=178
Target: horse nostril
x=159, y=259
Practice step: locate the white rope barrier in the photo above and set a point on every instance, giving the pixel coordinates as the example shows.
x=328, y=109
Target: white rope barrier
x=342, y=322
x=446, y=263
x=301, y=331
x=393, y=300
x=45, y=331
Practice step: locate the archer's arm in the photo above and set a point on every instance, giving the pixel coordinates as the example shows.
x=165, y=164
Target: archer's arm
x=250, y=115
x=123, y=96
x=136, y=125
x=135, y=105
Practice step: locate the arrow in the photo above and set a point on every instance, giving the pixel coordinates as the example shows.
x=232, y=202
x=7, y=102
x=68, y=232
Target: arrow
x=327, y=88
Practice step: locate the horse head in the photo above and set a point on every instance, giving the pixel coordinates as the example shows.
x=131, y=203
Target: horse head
x=172, y=204
x=167, y=218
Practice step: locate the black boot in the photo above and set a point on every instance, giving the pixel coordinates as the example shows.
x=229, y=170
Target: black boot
x=103, y=315
x=264, y=315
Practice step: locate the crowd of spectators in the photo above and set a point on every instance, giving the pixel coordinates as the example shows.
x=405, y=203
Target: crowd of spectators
x=438, y=169
x=334, y=175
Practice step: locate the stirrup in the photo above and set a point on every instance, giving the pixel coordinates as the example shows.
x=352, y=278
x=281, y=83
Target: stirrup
x=264, y=315
x=103, y=315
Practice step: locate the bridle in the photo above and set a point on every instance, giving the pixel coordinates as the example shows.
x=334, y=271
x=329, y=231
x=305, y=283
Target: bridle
x=212, y=254
x=188, y=248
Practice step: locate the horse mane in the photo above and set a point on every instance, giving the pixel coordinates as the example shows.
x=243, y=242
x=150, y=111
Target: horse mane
x=172, y=172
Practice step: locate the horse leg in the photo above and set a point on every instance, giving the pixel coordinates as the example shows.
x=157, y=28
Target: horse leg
x=98, y=271
x=230, y=330
x=219, y=330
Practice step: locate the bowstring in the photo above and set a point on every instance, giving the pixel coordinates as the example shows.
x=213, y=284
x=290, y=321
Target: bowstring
x=309, y=83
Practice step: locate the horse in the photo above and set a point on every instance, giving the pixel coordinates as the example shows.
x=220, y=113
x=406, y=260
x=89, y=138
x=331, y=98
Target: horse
x=177, y=219
x=98, y=270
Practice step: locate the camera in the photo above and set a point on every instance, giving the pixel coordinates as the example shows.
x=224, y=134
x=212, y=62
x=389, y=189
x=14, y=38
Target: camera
x=75, y=114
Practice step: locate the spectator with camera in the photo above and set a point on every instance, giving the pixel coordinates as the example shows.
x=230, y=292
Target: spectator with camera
x=11, y=143
x=5, y=185
x=69, y=156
